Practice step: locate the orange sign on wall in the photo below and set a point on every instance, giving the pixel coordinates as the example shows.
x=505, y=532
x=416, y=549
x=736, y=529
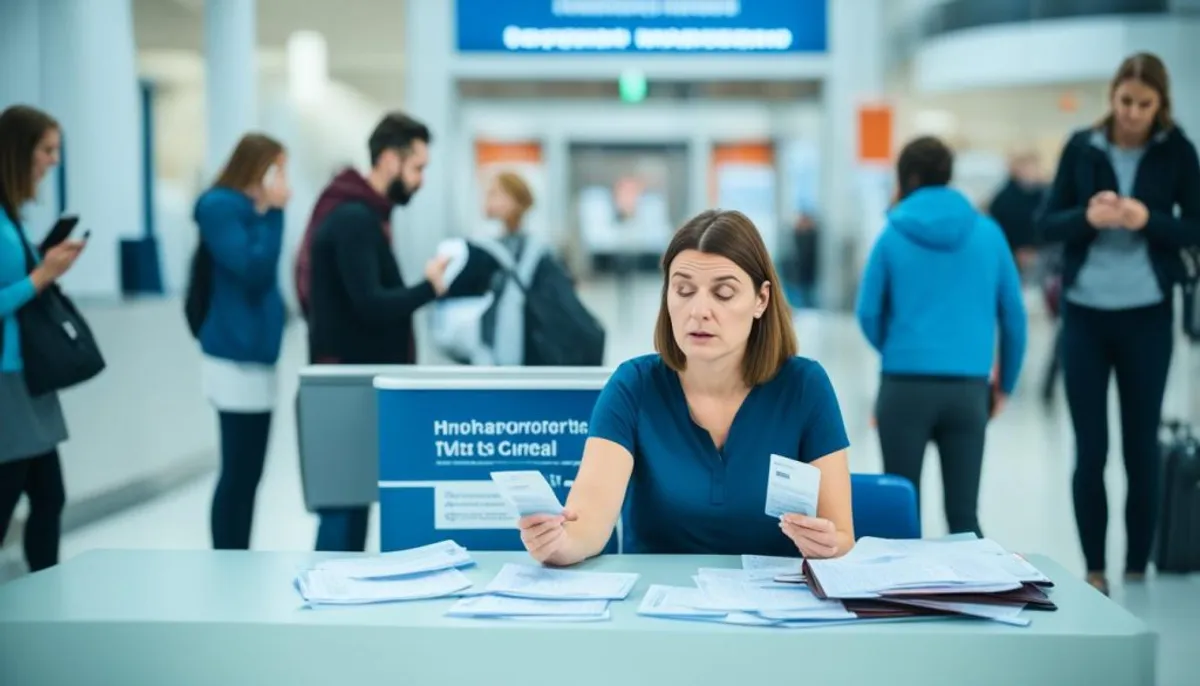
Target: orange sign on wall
x=749, y=153
x=875, y=134
x=501, y=152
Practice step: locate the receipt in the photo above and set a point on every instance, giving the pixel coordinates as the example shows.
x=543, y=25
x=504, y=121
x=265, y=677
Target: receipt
x=528, y=491
x=792, y=487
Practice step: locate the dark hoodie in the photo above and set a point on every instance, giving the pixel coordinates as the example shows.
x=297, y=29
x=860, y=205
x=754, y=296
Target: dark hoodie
x=358, y=308
x=939, y=280
x=347, y=186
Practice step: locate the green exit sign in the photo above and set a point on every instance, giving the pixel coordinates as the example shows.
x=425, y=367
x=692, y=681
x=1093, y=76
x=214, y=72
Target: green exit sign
x=632, y=86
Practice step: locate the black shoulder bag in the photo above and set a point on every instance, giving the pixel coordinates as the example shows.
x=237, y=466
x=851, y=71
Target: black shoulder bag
x=57, y=345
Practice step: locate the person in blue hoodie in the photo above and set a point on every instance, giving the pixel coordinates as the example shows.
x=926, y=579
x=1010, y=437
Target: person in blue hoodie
x=939, y=281
x=241, y=234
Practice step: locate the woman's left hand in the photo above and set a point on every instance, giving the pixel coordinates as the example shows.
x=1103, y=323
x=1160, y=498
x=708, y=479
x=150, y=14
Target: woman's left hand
x=815, y=537
x=1134, y=214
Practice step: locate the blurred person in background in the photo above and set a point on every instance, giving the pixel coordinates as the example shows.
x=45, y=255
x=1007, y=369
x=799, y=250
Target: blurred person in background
x=806, y=235
x=1113, y=207
x=358, y=307
x=939, y=282
x=241, y=232
x=1015, y=208
x=32, y=427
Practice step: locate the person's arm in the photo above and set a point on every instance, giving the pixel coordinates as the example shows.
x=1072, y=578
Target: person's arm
x=872, y=296
x=824, y=445
x=1183, y=231
x=249, y=252
x=356, y=237
x=15, y=295
x=599, y=489
x=1063, y=217
x=1013, y=319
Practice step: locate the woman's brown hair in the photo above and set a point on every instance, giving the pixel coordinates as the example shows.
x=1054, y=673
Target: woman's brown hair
x=732, y=235
x=249, y=163
x=1147, y=68
x=21, y=131
x=515, y=187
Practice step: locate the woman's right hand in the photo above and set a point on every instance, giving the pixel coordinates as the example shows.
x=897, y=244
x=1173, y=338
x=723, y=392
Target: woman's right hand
x=1104, y=210
x=58, y=261
x=543, y=535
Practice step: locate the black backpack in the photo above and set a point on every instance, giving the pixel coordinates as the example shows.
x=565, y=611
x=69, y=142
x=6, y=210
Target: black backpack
x=559, y=330
x=199, y=290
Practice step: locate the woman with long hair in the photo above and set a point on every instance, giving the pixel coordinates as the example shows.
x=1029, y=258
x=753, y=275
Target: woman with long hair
x=1113, y=207
x=241, y=232
x=32, y=427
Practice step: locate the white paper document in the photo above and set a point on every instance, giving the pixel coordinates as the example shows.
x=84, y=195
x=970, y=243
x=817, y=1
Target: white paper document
x=676, y=601
x=429, y=558
x=528, y=491
x=501, y=607
x=795, y=602
x=527, y=581
x=322, y=587
x=792, y=487
x=1005, y=614
x=771, y=564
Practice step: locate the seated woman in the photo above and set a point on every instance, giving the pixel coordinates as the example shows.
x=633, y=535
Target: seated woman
x=690, y=431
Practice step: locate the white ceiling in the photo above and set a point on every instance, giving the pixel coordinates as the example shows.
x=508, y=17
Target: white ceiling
x=365, y=38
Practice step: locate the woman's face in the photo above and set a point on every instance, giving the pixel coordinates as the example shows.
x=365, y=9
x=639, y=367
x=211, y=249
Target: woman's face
x=712, y=304
x=46, y=154
x=500, y=205
x=1135, y=106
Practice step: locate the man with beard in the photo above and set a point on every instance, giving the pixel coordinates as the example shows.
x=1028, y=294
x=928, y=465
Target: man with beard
x=358, y=308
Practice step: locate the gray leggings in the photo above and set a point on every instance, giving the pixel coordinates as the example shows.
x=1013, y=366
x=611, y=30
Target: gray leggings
x=952, y=412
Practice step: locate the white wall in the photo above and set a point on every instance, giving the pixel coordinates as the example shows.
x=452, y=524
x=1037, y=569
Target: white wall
x=1062, y=51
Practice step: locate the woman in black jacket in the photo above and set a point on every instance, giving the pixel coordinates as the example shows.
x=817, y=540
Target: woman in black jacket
x=1113, y=207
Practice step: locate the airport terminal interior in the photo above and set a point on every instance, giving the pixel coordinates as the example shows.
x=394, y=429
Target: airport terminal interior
x=620, y=135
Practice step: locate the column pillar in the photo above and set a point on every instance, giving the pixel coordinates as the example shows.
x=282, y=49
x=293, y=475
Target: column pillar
x=19, y=64
x=89, y=83
x=856, y=76
x=230, y=77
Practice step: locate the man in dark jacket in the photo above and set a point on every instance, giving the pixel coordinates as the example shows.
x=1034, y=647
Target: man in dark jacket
x=358, y=307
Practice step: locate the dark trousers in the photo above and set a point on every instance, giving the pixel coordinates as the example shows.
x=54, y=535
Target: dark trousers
x=244, y=439
x=1134, y=344
x=952, y=412
x=40, y=479
x=343, y=529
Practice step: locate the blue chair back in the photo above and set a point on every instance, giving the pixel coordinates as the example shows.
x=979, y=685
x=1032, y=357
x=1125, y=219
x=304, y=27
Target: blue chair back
x=885, y=506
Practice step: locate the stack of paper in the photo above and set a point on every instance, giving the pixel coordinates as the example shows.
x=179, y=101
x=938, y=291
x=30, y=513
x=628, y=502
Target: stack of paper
x=431, y=571
x=958, y=575
x=541, y=594
x=739, y=596
x=879, y=580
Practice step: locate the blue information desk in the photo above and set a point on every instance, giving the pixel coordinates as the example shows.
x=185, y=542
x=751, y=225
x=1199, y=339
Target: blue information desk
x=440, y=439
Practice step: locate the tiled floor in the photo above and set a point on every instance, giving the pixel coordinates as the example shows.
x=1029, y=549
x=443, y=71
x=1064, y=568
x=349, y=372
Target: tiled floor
x=1024, y=504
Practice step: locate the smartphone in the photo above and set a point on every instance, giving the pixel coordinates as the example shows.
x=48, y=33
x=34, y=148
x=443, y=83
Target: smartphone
x=60, y=232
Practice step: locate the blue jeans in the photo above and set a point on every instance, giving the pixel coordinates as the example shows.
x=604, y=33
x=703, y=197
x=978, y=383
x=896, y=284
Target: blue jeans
x=343, y=529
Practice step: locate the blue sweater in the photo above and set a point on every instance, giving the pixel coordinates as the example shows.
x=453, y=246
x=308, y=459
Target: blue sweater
x=246, y=314
x=938, y=279
x=16, y=289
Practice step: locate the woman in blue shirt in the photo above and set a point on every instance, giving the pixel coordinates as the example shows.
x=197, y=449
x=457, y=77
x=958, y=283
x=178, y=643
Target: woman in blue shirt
x=689, y=432
x=241, y=232
x=31, y=427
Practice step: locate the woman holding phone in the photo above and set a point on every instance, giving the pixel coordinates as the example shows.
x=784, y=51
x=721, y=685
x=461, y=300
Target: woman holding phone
x=1125, y=201
x=32, y=427
x=241, y=231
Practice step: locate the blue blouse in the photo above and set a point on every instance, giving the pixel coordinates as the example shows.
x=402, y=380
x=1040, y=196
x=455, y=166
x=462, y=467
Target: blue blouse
x=16, y=289
x=687, y=497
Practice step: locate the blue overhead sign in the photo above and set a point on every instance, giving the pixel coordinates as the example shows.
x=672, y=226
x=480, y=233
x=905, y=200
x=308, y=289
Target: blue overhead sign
x=641, y=26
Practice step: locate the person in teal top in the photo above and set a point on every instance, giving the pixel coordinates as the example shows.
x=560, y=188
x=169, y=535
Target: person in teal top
x=31, y=427
x=682, y=440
